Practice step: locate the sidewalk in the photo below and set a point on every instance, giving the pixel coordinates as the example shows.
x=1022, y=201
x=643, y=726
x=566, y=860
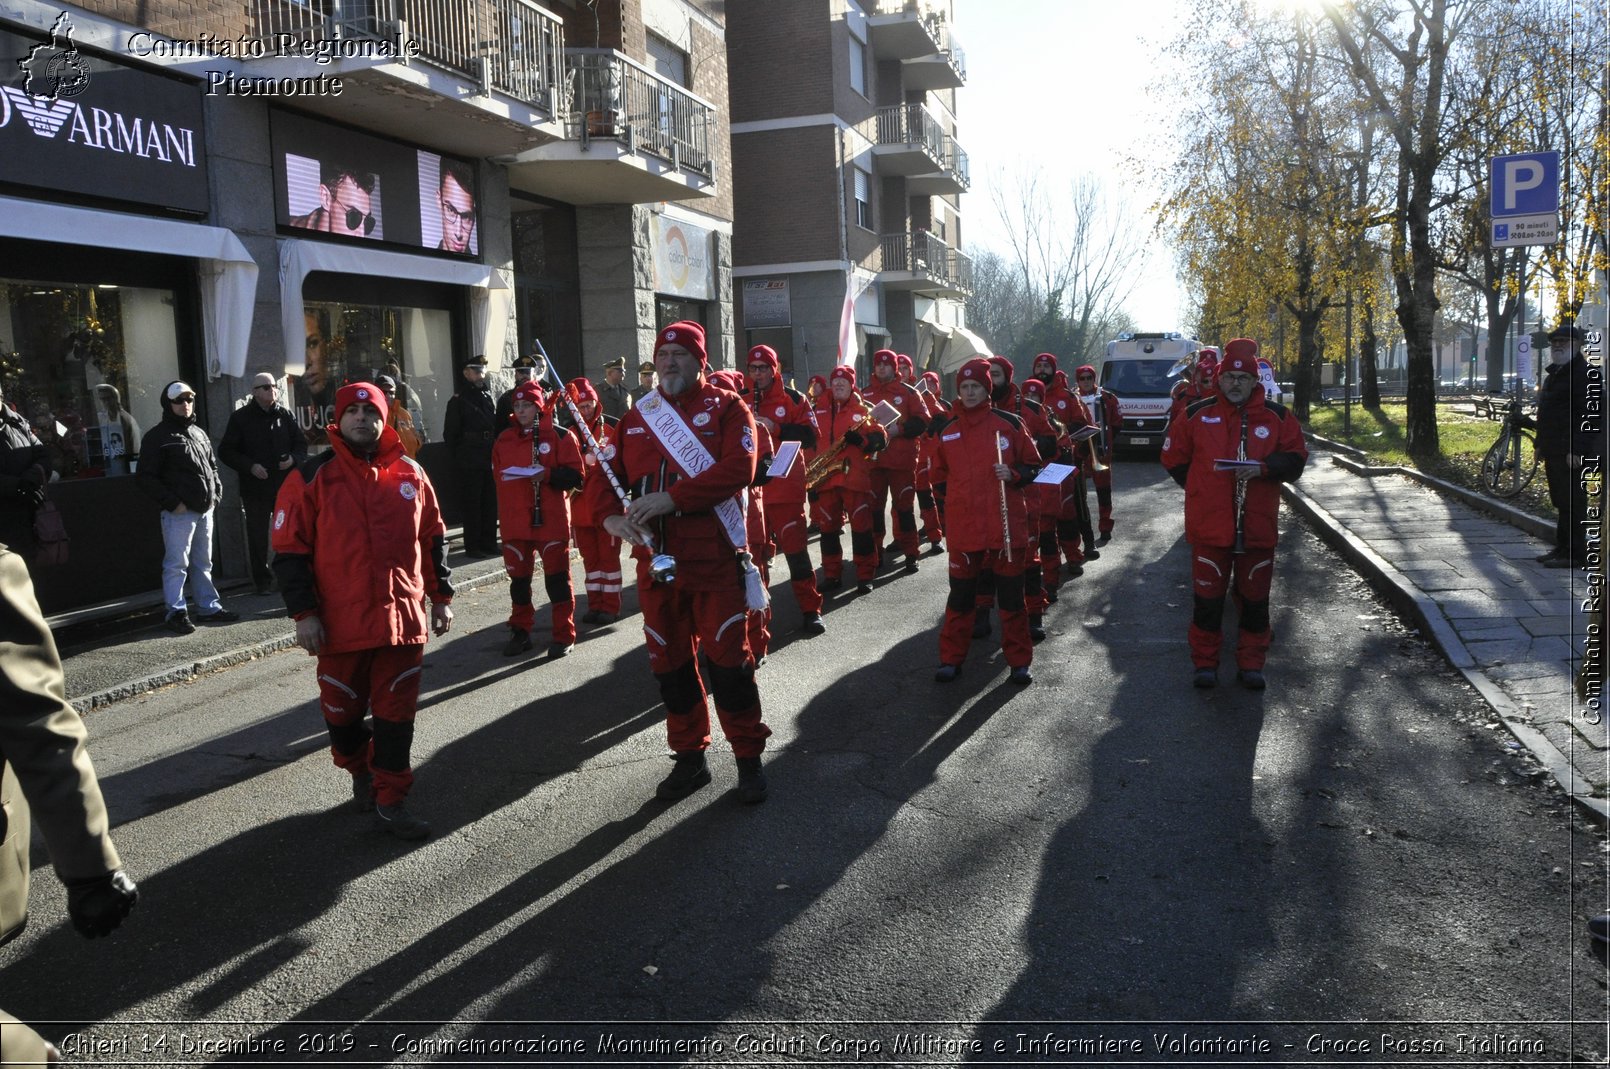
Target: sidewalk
x=118, y=659
x=1471, y=582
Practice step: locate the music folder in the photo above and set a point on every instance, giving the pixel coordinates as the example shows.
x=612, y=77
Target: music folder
x=782, y=462
x=1083, y=433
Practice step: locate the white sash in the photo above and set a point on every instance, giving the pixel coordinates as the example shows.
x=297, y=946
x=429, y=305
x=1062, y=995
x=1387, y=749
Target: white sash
x=689, y=456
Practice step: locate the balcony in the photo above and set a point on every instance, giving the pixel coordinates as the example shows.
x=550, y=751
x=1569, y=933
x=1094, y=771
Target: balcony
x=904, y=29
x=631, y=137
x=922, y=263
x=943, y=68
x=912, y=144
x=488, y=79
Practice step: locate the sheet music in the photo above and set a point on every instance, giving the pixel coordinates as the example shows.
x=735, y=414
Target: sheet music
x=1054, y=474
x=782, y=461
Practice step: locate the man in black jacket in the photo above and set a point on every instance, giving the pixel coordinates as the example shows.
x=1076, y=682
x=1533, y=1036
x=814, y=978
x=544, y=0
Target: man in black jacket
x=262, y=442
x=178, y=469
x=469, y=430
x=24, y=468
x=1567, y=445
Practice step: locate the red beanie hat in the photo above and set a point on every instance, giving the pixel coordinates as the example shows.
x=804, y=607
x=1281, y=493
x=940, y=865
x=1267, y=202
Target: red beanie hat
x=1049, y=357
x=975, y=370
x=904, y=362
x=687, y=334
x=728, y=379
x=1240, y=355
x=764, y=354
x=581, y=390
x=884, y=356
x=530, y=391
x=1005, y=365
x=1082, y=368
x=354, y=392
x=1034, y=388
x=932, y=379
x=845, y=372
x=819, y=381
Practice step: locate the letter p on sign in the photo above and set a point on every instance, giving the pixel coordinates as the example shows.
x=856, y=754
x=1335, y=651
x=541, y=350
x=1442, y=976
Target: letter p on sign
x=1527, y=184
x=1520, y=176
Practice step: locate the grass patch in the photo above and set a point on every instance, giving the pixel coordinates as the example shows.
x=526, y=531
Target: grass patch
x=1463, y=439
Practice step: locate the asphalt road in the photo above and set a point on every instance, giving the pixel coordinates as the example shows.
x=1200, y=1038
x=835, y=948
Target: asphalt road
x=1107, y=866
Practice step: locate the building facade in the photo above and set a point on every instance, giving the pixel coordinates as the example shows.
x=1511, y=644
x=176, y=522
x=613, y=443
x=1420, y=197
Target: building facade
x=864, y=91
x=206, y=190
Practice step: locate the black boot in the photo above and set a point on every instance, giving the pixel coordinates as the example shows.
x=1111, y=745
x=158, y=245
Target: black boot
x=751, y=780
x=1036, y=627
x=689, y=775
x=519, y=642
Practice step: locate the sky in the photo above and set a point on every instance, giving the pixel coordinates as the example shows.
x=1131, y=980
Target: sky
x=1059, y=84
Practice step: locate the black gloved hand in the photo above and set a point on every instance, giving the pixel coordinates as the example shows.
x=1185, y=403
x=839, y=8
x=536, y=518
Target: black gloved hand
x=853, y=437
x=98, y=904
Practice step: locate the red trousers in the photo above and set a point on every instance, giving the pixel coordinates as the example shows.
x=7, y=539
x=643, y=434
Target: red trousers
x=601, y=560
x=519, y=561
x=382, y=681
x=829, y=512
x=956, y=632
x=1214, y=572
x=677, y=624
x=899, y=486
x=786, y=522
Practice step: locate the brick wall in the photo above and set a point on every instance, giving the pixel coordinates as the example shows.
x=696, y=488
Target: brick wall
x=184, y=19
x=708, y=67
x=779, y=52
x=787, y=212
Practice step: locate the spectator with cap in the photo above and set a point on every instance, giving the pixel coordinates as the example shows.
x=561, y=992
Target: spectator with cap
x=612, y=393
x=262, y=441
x=645, y=381
x=42, y=752
x=180, y=470
x=398, y=418
x=469, y=430
x=524, y=370
x=1570, y=441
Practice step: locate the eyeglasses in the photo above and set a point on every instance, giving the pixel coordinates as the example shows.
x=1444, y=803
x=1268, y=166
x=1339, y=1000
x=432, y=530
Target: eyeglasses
x=454, y=216
x=185, y=399
x=355, y=217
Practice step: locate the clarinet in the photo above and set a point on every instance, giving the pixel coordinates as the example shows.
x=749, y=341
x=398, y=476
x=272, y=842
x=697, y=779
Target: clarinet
x=1241, y=493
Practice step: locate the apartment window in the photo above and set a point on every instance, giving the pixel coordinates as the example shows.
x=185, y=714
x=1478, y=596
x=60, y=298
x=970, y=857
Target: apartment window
x=863, y=198
x=858, y=66
x=668, y=61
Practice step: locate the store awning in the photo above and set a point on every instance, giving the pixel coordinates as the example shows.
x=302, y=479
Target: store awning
x=961, y=347
x=298, y=259
x=228, y=273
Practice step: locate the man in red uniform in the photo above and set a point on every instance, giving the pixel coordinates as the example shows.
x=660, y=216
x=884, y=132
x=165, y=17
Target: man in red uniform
x=359, y=545
x=534, y=518
x=894, y=470
x=600, y=550
x=981, y=452
x=1102, y=405
x=939, y=414
x=1231, y=515
x=843, y=417
x=786, y=415
x=763, y=551
x=1200, y=385
x=687, y=455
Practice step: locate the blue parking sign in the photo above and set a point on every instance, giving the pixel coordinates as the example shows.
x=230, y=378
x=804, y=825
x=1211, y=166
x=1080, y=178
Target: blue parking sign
x=1525, y=184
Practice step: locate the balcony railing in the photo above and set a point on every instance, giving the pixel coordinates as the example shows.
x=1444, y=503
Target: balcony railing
x=911, y=124
x=611, y=97
x=939, y=29
x=512, y=46
x=921, y=253
x=956, y=163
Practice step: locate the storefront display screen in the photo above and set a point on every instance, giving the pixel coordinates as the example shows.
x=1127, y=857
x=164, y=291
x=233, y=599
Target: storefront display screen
x=340, y=182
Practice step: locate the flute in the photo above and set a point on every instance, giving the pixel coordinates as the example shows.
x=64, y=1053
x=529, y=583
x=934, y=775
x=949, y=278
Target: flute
x=1241, y=493
x=1006, y=524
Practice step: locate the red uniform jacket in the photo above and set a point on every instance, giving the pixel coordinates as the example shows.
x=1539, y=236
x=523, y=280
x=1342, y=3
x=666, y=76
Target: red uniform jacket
x=1103, y=408
x=360, y=543
x=964, y=476
x=832, y=420
x=605, y=433
x=693, y=535
x=901, y=452
x=556, y=451
x=1185, y=395
x=795, y=423
x=1211, y=430
x=939, y=415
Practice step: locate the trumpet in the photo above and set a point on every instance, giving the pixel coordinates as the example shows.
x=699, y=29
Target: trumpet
x=827, y=465
x=1095, y=458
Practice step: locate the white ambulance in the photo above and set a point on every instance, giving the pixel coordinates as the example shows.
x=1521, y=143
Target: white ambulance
x=1142, y=369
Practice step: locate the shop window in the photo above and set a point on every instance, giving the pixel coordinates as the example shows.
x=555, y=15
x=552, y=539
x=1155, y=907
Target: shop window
x=348, y=342
x=86, y=365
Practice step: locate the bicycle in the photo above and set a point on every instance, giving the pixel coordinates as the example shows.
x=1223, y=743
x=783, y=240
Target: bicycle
x=1511, y=461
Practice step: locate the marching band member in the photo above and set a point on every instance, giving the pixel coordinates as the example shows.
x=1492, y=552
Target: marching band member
x=984, y=462
x=687, y=451
x=939, y=411
x=600, y=550
x=844, y=420
x=894, y=469
x=1188, y=391
x=761, y=549
x=534, y=518
x=786, y=414
x=1231, y=515
x=1103, y=408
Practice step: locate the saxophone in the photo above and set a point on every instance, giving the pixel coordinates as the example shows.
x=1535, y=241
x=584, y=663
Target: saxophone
x=826, y=465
